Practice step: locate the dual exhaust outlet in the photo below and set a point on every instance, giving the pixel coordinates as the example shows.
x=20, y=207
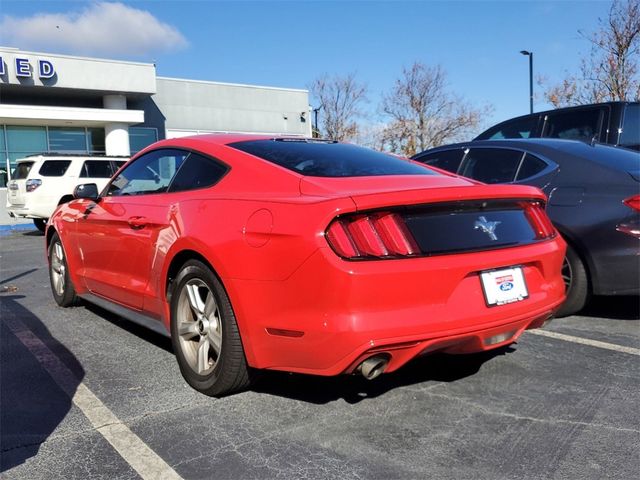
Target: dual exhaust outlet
x=373, y=366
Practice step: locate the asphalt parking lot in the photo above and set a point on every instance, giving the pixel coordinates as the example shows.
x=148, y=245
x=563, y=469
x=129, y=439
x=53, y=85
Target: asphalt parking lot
x=549, y=407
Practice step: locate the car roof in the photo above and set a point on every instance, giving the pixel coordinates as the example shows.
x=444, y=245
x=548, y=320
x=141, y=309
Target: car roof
x=617, y=157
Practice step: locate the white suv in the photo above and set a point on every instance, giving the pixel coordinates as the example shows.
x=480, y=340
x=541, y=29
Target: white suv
x=42, y=182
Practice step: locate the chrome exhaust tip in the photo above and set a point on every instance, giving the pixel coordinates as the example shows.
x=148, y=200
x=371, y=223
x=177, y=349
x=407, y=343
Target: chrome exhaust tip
x=372, y=367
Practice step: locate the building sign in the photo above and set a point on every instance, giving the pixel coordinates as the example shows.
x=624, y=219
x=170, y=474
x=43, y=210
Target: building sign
x=24, y=69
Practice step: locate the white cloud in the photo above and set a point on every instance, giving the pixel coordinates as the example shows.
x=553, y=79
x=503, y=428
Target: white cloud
x=101, y=28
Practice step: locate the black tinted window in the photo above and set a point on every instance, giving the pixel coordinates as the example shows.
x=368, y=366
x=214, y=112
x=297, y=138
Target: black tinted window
x=531, y=166
x=328, y=159
x=22, y=170
x=581, y=125
x=517, y=128
x=491, y=165
x=630, y=136
x=197, y=172
x=150, y=173
x=96, y=169
x=54, y=168
x=447, y=159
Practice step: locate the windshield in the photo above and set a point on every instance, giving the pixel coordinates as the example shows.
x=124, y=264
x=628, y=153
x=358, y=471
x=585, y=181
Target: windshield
x=329, y=159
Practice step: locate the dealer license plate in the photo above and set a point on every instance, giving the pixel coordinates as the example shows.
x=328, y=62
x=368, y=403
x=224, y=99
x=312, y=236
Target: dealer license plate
x=503, y=286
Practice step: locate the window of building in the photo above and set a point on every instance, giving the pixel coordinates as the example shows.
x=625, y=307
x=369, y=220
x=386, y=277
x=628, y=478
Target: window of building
x=23, y=141
x=95, y=140
x=141, y=137
x=67, y=139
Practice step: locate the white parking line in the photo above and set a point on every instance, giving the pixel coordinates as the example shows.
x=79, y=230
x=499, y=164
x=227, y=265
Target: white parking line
x=130, y=447
x=586, y=341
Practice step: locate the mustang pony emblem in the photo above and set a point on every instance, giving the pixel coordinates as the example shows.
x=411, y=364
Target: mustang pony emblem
x=487, y=227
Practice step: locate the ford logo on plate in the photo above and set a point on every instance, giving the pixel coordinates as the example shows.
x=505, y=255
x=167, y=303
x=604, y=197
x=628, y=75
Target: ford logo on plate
x=506, y=286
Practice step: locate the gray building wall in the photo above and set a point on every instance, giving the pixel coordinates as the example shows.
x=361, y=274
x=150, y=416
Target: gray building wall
x=191, y=106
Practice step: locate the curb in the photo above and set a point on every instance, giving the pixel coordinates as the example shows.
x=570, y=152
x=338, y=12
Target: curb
x=8, y=229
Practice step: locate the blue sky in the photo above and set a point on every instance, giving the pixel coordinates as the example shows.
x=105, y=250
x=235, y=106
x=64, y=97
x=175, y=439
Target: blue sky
x=288, y=44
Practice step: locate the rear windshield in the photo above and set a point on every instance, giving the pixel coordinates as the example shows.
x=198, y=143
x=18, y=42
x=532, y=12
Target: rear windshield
x=22, y=170
x=329, y=159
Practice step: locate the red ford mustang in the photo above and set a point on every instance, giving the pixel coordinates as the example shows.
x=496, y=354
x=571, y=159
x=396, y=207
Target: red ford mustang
x=306, y=256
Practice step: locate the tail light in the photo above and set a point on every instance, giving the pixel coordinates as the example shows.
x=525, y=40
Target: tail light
x=633, y=202
x=539, y=220
x=32, y=184
x=378, y=235
x=631, y=228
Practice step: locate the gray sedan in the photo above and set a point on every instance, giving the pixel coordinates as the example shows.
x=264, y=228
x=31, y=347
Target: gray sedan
x=594, y=202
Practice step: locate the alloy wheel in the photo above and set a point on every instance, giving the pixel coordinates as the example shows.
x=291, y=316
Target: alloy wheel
x=199, y=326
x=58, y=268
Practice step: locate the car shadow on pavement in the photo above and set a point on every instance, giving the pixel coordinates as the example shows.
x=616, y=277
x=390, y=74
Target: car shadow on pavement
x=139, y=331
x=33, y=404
x=437, y=367
x=613, y=308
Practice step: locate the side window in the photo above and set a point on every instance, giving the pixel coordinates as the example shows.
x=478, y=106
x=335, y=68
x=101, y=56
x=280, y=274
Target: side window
x=197, y=172
x=582, y=124
x=531, y=165
x=150, y=173
x=96, y=169
x=447, y=159
x=491, y=165
x=54, y=168
x=630, y=136
x=518, y=128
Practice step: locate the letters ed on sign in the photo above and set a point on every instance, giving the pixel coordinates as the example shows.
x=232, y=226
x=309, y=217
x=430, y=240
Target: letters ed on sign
x=23, y=68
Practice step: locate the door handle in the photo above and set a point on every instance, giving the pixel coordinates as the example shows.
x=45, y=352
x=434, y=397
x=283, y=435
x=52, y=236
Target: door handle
x=137, y=222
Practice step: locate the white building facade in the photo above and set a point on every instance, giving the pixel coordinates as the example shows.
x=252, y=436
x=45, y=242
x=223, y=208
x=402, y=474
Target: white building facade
x=67, y=104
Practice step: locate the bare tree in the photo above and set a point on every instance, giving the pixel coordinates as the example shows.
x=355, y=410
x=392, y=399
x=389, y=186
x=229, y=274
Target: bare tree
x=423, y=113
x=341, y=99
x=610, y=71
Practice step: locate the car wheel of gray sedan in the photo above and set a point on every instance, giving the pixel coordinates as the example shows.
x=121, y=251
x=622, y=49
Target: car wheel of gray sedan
x=64, y=293
x=40, y=223
x=205, y=334
x=576, y=284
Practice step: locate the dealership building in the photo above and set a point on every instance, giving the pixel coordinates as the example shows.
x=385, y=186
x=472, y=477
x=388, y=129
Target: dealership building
x=68, y=104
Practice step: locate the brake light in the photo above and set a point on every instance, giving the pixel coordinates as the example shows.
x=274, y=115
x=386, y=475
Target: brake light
x=379, y=235
x=539, y=220
x=32, y=184
x=633, y=202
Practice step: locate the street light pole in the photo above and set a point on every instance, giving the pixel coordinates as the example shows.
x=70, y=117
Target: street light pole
x=316, y=132
x=530, y=55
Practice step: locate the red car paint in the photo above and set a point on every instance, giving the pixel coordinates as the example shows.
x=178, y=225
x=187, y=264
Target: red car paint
x=299, y=306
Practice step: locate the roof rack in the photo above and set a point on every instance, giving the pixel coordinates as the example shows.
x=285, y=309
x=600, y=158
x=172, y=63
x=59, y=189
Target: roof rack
x=64, y=154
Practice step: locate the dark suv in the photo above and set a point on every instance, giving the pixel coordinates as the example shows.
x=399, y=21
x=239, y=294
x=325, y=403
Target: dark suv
x=614, y=123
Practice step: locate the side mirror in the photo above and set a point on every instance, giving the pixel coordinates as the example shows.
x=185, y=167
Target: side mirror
x=86, y=190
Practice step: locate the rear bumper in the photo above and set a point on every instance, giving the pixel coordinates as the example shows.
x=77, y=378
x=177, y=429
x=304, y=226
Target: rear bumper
x=21, y=211
x=331, y=314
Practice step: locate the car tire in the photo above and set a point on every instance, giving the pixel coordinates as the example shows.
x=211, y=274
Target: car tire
x=204, y=333
x=64, y=293
x=40, y=223
x=576, y=282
